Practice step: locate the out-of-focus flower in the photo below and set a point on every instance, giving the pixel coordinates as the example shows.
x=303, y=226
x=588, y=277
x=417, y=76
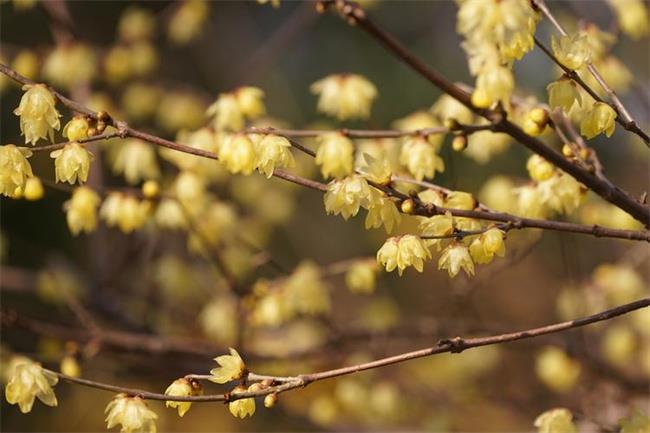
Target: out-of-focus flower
x=187, y=21
x=218, y=320
x=335, y=155
x=273, y=151
x=179, y=110
x=562, y=193
x=136, y=160
x=530, y=203
x=632, y=17
x=243, y=407
x=571, y=50
x=305, y=291
x=124, y=211
x=118, y=64
x=136, y=24
x=539, y=169
x=28, y=381
x=619, y=344
x=81, y=210
x=72, y=163
x=170, y=215
x=556, y=369
x=70, y=64
x=182, y=388
x=237, y=154
x=497, y=193
x=420, y=158
x=140, y=101
x=345, y=96
x=70, y=366
x=601, y=118
x=346, y=196
x=14, y=170
x=637, y=422
x=26, y=63
x=38, y=115
x=555, y=421
x=361, y=276
x=34, y=189
x=132, y=413
x=403, y=251
x=231, y=109
x=456, y=257
x=231, y=367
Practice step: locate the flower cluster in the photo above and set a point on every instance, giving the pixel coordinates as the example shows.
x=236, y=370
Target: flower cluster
x=231, y=109
x=182, y=388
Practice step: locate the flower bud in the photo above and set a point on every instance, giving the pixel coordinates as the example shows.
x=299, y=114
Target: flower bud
x=459, y=143
x=270, y=400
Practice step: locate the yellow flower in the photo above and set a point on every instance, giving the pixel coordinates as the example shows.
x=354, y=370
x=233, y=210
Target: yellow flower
x=34, y=189
x=563, y=93
x=124, y=211
x=70, y=64
x=187, y=21
x=636, y=422
x=136, y=160
x=118, y=64
x=403, y=251
x=230, y=109
x=132, y=413
x=555, y=421
x=632, y=17
x=456, y=257
x=231, y=367
x=136, y=24
x=202, y=139
x=539, y=169
x=274, y=3
x=420, y=158
x=81, y=210
x=70, y=366
x=601, y=118
x=529, y=202
x=346, y=196
x=447, y=108
x=460, y=200
x=335, y=155
x=14, y=170
x=237, y=154
x=345, y=96
x=169, y=214
x=72, y=163
x=218, y=319
x=361, y=276
x=77, y=128
x=182, y=388
x=495, y=84
x=562, y=193
x=571, y=50
x=382, y=211
x=497, y=193
x=377, y=170
x=619, y=345
x=305, y=291
x=438, y=225
x=28, y=381
x=26, y=63
x=178, y=110
x=273, y=151
x=421, y=120
x=487, y=245
x=38, y=115
x=243, y=407
x=556, y=369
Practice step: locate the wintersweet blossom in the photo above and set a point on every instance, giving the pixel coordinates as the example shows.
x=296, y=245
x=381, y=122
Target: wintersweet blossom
x=77, y=128
x=38, y=115
x=420, y=158
x=72, y=163
x=335, y=155
x=539, y=169
x=346, y=196
x=558, y=420
x=81, y=210
x=231, y=109
x=563, y=93
x=242, y=407
x=600, y=119
x=182, y=388
x=487, y=245
x=571, y=50
x=33, y=189
x=382, y=211
x=14, y=170
x=437, y=226
x=403, y=251
x=273, y=152
x=237, y=154
x=231, y=367
x=361, y=276
x=632, y=17
x=132, y=413
x=345, y=96
x=456, y=257
x=556, y=369
x=28, y=381
x=187, y=21
x=136, y=160
x=124, y=211
x=70, y=64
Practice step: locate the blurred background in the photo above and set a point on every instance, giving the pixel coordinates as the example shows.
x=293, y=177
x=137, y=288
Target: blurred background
x=162, y=308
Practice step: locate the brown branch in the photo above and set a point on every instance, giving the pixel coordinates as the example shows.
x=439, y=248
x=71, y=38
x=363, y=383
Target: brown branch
x=453, y=345
x=355, y=15
x=56, y=146
x=623, y=117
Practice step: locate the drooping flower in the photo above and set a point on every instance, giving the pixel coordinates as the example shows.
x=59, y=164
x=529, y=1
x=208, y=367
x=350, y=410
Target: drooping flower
x=136, y=24
x=563, y=93
x=124, y=211
x=361, y=276
x=243, y=407
x=571, y=50
x=562, y=193
x=38, y=115
x=182, y=388
x=556, y=369
x=28, y=381
x=232, y=108
x=403, y=251
x=273, y=151
x=558, y=420
x=14, y=170
x=632, y=17
x=420, y=158
x=346, y=196
x=187, y=21
x=81, y=210
x=132, y=413
x=487, y=245
x=437, y=226
x=70, y=64
x=237, y=153
x=382, y=211
x=136, y=160
x=460, y=200
x=335, y=155
x=539, y=169
x=345, y=96
x=456, y=257
x=33, y=189
x=77, y=128
x=601, y=118
x=72, y=163
x=493, y=84
x=231, y=367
